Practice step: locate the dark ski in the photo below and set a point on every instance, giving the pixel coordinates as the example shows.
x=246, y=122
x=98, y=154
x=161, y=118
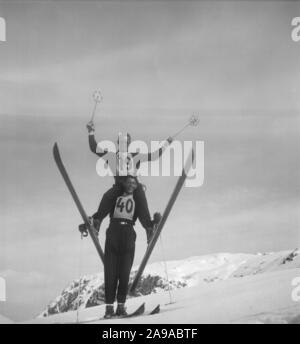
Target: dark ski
x=139, y=311
x=90, y=227
x=163, y=220
x=155, y=310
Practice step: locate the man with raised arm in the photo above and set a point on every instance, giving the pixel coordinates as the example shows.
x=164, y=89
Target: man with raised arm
x=134, y=160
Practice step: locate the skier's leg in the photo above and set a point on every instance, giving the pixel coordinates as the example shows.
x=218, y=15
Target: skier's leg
x=108, y=202
x=143, y=212
x=126, y=261
x=110, y=268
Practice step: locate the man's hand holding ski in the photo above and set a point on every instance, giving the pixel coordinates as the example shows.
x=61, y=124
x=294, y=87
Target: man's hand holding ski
x=151, y=231
x=83, y=228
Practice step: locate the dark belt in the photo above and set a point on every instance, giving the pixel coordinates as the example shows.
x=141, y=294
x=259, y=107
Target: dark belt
x=122, y=221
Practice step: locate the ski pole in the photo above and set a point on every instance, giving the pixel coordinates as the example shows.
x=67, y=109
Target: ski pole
x=97, y=96
x=193, y=122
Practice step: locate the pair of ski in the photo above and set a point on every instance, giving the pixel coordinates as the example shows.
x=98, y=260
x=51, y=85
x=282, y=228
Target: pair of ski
x=138, y=312
x=91, y=228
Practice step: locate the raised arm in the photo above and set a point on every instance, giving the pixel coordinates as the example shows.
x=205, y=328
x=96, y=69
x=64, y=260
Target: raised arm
x=139, y=158
x=152, y=156
x=92, y=140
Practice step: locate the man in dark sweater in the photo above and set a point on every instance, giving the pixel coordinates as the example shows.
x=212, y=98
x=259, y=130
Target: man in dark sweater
x=109, y=198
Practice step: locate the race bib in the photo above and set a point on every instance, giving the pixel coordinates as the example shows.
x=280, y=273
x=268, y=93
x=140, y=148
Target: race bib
x=124, y=208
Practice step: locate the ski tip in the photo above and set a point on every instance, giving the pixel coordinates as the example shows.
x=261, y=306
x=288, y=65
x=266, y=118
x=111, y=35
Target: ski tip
x=142, y=307
x=55, y=151
x=55, y=147
x=155, y=310
x=139, y=311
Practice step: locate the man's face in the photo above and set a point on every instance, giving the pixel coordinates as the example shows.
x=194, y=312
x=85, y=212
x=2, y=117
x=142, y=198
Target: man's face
x=130, y=185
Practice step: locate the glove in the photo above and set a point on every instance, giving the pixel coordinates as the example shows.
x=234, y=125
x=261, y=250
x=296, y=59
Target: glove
x=150, y=232
x=156, y=218
x=83, y=228
x=90, y=127
x=170, y=139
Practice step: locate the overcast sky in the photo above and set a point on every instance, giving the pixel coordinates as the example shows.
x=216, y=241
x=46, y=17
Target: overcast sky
x=156, y=63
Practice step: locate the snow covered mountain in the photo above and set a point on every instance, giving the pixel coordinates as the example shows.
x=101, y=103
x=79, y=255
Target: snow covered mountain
x=192, y=272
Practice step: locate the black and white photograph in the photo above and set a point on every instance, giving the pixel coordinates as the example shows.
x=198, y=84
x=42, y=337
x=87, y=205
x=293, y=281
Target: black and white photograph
x=150, y=164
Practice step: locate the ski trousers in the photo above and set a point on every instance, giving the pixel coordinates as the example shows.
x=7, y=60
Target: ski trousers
x=118, y=260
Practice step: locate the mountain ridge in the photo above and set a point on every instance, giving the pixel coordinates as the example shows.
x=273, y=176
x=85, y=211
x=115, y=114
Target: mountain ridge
x=88, y=291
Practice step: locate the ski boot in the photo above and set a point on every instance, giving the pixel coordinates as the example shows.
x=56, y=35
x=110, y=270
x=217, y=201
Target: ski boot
x=109, y=312
x=121, y=310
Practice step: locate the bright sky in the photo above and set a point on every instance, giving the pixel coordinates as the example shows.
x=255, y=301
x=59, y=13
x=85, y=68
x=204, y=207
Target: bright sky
x=156, y=63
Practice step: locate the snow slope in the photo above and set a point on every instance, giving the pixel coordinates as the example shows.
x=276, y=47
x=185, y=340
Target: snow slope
x=4, y=320
x=220, y=288
x=89, y=290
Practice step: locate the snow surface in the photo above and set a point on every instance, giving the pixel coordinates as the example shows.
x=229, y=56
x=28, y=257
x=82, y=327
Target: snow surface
x=220, y=288
x=4, y=320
